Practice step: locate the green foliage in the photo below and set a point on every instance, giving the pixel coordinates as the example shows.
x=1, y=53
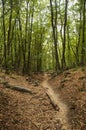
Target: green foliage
x=31, y=39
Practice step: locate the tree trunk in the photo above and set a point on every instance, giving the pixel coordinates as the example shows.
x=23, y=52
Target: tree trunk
x=83, y=51
x=4, y=33
x=54, y=27
x=29, y=40
x=78, y=43
x=25, y=41
x=64, y=41
x=9, y=30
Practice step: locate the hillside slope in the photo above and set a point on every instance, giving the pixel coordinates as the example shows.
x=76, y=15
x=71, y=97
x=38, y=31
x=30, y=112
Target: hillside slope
x=71, y=86
x=25, y=111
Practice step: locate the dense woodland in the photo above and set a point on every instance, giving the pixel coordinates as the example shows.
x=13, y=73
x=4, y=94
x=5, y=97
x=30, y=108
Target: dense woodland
x=42, y=64
x=42, y=35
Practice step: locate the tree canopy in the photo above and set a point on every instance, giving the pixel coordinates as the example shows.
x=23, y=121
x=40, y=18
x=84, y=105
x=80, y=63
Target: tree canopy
x=42, y=35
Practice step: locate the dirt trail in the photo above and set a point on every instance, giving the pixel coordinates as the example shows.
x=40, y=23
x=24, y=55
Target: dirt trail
x=63, y=109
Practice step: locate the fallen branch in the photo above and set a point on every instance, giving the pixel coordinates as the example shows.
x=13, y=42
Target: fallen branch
x=53, y=102
x=18, y=88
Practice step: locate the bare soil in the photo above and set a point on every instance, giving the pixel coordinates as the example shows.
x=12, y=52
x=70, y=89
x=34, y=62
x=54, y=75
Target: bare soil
x=62, y=109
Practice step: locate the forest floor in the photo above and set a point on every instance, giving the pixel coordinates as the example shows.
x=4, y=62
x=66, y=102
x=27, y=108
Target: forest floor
x=26, y=111
x=71, y=86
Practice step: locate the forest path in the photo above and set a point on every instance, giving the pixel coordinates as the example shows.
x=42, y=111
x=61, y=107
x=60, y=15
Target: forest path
x=62, y=110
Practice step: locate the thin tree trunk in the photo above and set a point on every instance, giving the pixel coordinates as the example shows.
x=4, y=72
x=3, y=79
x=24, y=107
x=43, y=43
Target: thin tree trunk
x=54, y=27
x=83, y=51
x=4, y=33
x=78, y=44
x=9, y=30
x=64, y=41
x=29, y=40
x=68, y=46
x=25, y=45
